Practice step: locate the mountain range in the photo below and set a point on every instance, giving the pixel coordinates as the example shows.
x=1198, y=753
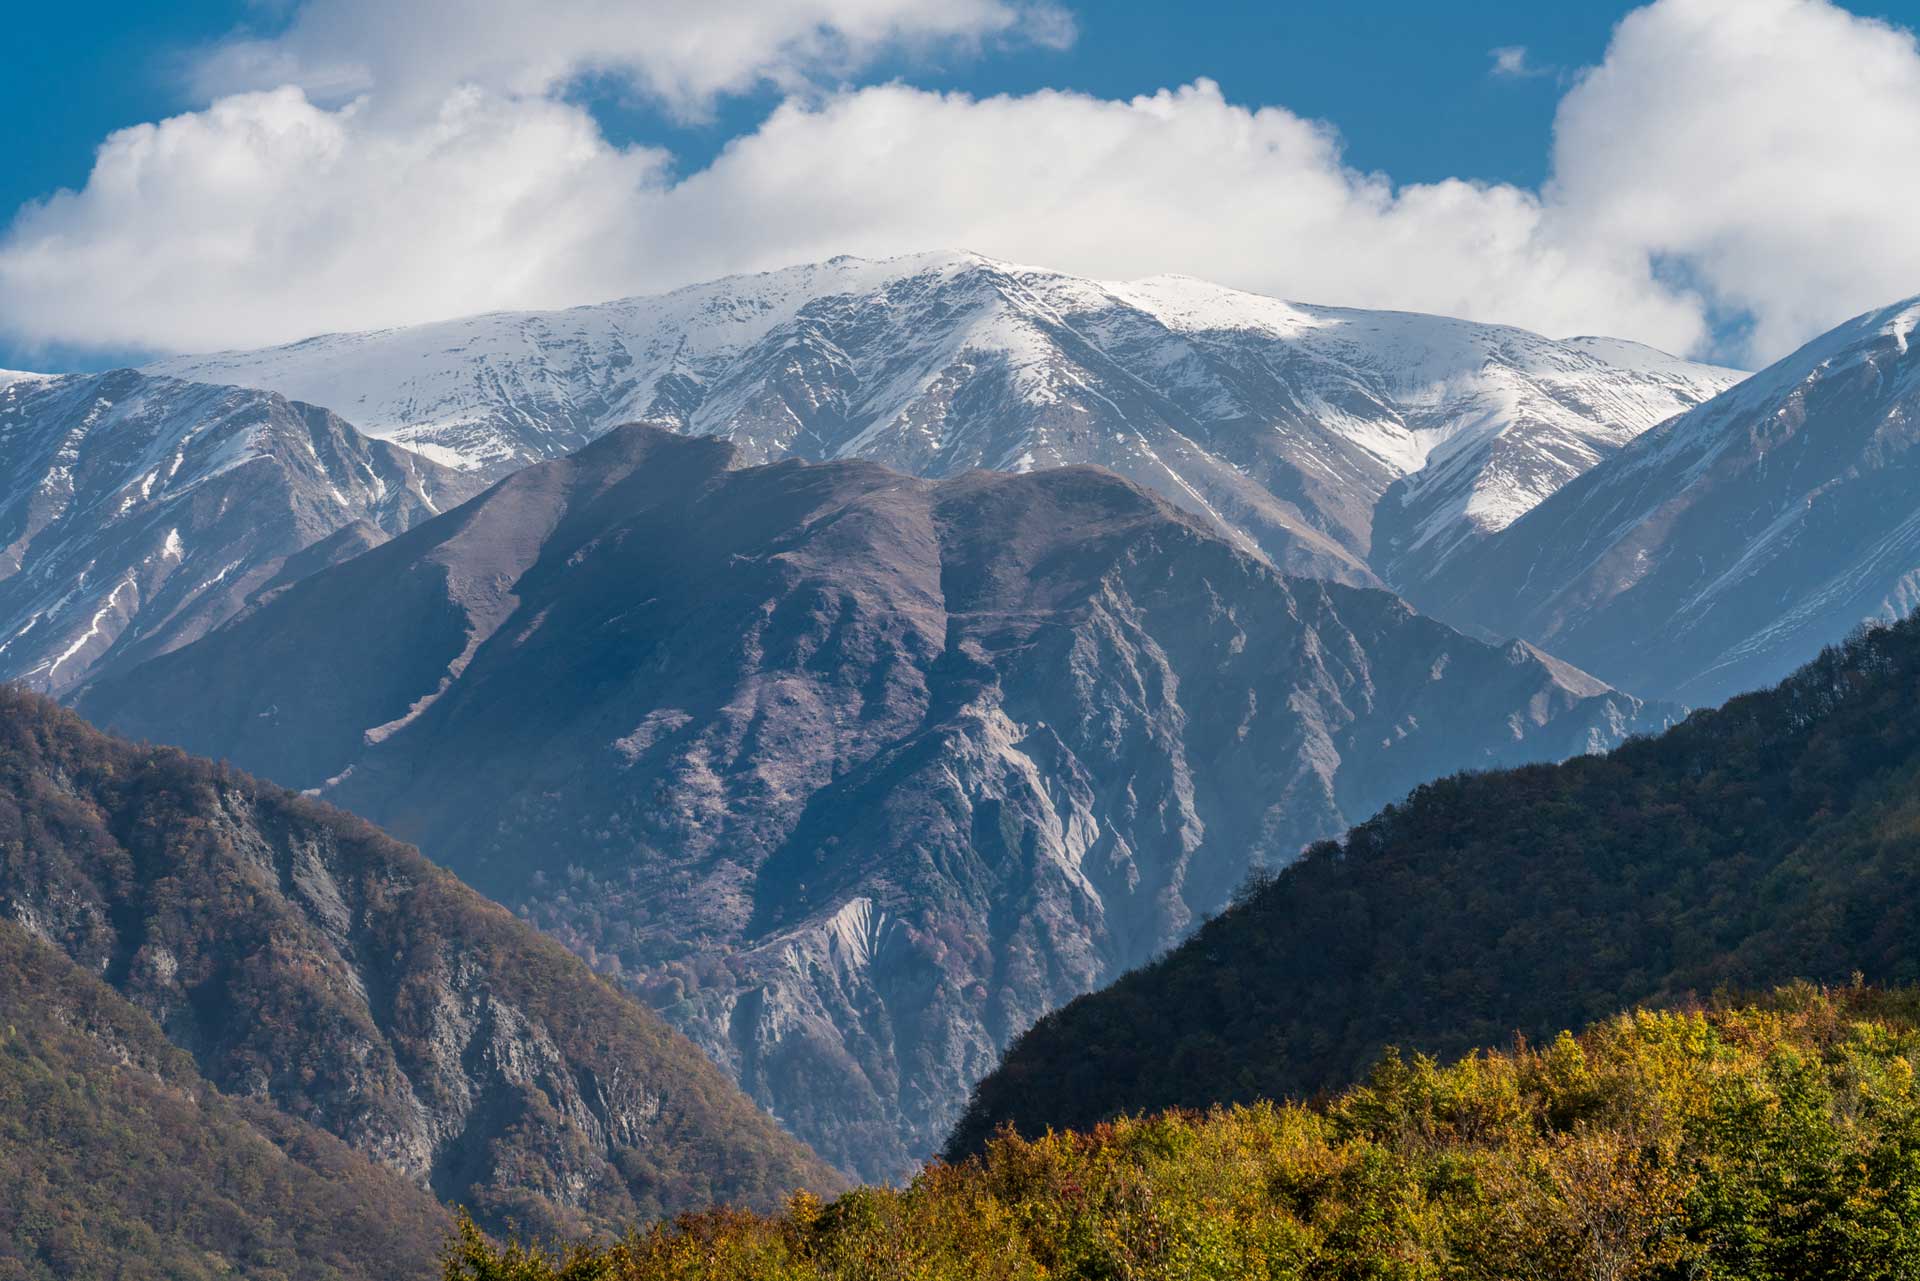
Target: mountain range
x=138, y=512
x=855, y=773
x=862, y=660
x=1370, y=447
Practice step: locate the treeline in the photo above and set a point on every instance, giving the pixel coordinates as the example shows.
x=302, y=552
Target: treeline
x=1774, y=1139
x=1777, y=838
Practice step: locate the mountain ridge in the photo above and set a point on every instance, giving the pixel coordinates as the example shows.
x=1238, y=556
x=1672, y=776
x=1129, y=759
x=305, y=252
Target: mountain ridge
x=139, y=512
x=314, y=967
x=1763, y=842
x=120, y=1158
x=1285, y=424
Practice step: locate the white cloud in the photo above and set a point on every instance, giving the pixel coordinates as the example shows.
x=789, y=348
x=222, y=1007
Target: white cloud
x=1771, y=148
x=275, y=214
x=1514, y=62
x=266, y=218
x=1176, y=181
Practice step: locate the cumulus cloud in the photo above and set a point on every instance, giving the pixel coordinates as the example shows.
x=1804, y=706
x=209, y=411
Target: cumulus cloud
x=1180, y=180
x=267, y=218
x=1767, y=149
x=277, y=213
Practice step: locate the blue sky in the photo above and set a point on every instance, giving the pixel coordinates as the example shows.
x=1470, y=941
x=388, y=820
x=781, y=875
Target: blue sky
x=1412, y=89
x=1406, y=82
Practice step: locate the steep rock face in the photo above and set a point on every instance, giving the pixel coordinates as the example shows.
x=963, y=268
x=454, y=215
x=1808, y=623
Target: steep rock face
x=856, y=774
x=138, y=512
x=309, y=963
x=120, y=1159
x=1718, y=551
x=1285, y=425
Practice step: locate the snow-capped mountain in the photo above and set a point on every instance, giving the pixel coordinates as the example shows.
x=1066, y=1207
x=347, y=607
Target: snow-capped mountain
x=1285, y=424
x=137, y=512
x=1719, y=551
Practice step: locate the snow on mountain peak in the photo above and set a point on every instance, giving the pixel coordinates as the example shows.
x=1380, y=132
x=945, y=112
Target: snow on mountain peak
x=1901, y=326
x=1718, y=551
x=1283, y=422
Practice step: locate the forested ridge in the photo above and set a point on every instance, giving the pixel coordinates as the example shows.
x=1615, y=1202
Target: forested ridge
x=1777, y=1139
x=1773, y=839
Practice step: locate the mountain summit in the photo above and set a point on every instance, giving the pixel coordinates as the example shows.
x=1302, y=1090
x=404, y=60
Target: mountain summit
x=1368, y=447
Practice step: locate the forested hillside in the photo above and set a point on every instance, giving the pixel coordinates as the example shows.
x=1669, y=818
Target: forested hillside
x=118, y=1159
x=1774, y=1140
x=1776, y=838
x=313, y=966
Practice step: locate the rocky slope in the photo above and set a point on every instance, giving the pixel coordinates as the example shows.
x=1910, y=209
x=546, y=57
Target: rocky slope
x=855, y=773
x=1364, y=446
x=1719, y=550
x=137, y=512
x=310, y=964
x=1771, y=840
x=119, y=1159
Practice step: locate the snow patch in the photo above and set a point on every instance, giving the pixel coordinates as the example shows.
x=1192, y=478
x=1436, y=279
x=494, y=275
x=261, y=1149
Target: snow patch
x=93, y=627
x=1902, y=326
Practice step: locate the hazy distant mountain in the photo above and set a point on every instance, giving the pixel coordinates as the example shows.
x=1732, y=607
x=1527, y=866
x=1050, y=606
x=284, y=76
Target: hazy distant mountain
x=857, y=773
x=1717, y=552
x=136, y=512
x=313, y=966
x=1287, y=424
